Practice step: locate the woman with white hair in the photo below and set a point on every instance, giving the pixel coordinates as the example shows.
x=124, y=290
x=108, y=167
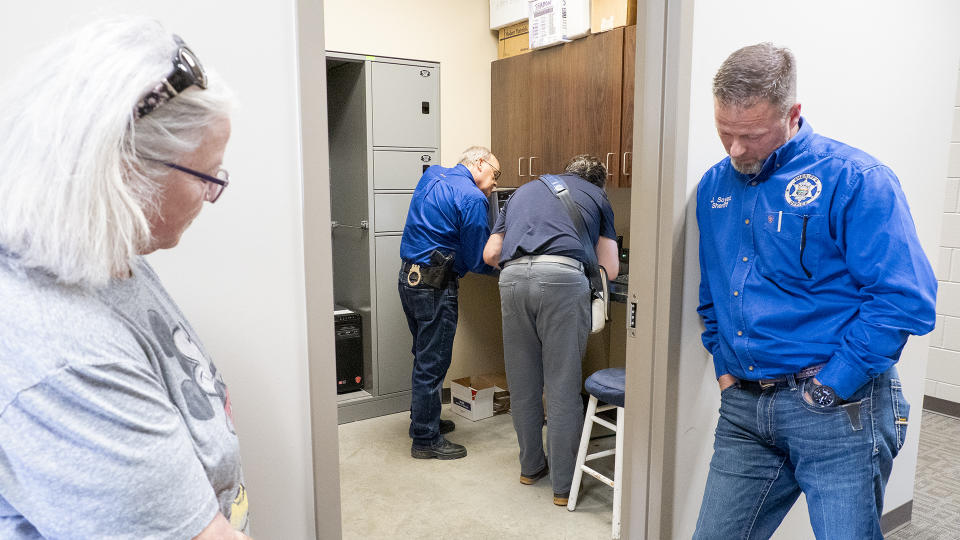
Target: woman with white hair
x=114, y=423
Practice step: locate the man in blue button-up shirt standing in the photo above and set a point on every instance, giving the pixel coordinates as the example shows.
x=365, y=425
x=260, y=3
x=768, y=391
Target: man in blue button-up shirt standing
x=443, y=238
x=812, y=279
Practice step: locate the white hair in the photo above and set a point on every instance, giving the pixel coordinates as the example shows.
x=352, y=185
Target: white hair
x=474, y=154
x=77, y=171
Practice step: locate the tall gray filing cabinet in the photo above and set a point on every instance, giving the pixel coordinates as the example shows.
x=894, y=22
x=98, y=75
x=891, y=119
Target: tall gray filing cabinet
x=384, y=131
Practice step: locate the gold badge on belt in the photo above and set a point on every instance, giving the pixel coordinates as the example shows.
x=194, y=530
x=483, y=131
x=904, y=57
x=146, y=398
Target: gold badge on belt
x=413, y=275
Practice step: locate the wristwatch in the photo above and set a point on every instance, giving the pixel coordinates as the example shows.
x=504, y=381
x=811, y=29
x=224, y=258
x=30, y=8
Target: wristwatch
x=823, y=396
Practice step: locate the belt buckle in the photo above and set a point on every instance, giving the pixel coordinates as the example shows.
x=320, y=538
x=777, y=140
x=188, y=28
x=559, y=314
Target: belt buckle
x=414, y=275
x=767, y=383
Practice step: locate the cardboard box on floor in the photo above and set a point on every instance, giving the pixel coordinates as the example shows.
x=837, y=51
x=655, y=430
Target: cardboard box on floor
x=514, y=40
x=480, y=396
x=609, y=14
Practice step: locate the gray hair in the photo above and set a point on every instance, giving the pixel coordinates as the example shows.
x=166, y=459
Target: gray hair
x=589, y=168
x=474, y=154
x=79, y=174
x=757, y=72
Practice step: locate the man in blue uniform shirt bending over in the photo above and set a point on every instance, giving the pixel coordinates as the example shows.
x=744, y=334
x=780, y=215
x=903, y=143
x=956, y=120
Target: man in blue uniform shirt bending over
x=812, y=278
x=443, y=239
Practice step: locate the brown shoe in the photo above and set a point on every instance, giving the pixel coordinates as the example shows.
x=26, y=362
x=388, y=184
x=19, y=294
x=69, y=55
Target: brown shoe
x=531, y=479
x=561, y=499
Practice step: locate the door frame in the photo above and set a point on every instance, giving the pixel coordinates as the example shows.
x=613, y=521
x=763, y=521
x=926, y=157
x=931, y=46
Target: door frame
x=655, y=294
x=318, y=268
x=658, y=204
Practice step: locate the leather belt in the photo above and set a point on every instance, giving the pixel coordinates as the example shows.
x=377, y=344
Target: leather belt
x=558, y=259
x=763, y=384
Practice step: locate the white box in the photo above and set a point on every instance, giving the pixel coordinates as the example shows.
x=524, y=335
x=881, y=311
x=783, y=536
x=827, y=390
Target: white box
x=557, y=21
x=473, y=397
x=578, y=18
x=507, y=12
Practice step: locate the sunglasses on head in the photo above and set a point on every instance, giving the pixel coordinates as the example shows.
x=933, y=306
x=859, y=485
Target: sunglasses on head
x=187, y=72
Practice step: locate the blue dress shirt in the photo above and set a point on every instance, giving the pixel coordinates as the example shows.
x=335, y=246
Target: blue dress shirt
x=448, y=212
x=813, y=260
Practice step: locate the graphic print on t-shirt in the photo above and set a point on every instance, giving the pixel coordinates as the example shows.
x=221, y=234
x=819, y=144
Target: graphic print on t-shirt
x=203, y=381
x=239, y=509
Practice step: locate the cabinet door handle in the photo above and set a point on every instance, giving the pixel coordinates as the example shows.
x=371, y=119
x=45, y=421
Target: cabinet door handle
x=519, y=167
x=623, y=168
x=530, y=165
x=608, y=162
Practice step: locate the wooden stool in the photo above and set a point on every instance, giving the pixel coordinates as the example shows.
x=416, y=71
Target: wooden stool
x=606, y=385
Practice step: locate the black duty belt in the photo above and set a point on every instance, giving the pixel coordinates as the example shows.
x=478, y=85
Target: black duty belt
x=763, y=384
x=434, y=276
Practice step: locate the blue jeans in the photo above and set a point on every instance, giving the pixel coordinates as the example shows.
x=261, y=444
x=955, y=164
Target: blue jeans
x=432, y=318
x=772, y=444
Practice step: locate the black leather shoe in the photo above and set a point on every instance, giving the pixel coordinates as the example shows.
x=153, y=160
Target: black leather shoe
x=446, y=426
x=442, y=449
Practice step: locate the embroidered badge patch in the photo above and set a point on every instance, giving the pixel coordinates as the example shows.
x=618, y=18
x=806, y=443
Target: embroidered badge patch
x=803, y=190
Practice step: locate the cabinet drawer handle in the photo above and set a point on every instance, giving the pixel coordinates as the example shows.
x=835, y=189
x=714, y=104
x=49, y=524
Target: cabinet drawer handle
x=519, y=167
x=530, y=165
x=608, y=162
x=623, y=168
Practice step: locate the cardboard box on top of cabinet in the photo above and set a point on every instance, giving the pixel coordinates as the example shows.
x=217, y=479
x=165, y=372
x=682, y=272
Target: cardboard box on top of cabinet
x=557, y=21
x=609, y=14
x=480, y=396
x=507, y=12
x=514, y=40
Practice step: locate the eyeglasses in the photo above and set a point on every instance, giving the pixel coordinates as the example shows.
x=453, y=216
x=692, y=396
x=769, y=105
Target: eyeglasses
x=187, y=72
x=215, y=184
x=496, y=171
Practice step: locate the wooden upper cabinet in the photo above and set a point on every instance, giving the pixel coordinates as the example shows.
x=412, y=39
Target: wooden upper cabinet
x=626, y=118
x=552, y=104
x=592, y=86
x=510, y=98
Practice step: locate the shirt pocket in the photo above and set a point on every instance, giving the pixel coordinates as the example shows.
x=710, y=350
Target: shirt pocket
x=790, y=245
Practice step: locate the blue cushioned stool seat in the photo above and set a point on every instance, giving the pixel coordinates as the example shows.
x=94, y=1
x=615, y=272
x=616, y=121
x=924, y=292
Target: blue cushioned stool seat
x=608, y=385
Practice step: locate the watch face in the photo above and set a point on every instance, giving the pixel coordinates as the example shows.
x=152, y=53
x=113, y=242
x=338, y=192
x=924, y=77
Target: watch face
x=823, y=396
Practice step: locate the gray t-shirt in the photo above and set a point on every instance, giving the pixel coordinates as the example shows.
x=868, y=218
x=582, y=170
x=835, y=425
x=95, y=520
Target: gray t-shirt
x=114, y=423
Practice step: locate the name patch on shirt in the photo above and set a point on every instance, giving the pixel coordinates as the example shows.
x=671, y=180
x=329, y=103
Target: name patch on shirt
x=720, y=202
x=803, y=190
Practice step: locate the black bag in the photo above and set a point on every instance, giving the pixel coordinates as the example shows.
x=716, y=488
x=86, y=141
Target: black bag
x=596, y=274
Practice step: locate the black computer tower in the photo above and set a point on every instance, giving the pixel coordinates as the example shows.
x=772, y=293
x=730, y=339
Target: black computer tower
x=349, y=339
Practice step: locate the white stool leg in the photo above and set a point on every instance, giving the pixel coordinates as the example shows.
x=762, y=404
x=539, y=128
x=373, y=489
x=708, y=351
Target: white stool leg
x=582, y=454
x=618, y=475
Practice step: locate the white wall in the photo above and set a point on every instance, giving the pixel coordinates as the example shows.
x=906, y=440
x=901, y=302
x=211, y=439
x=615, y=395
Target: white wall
x=943, y=374
x=873, y=74
x=455, y=34
x=238, y=272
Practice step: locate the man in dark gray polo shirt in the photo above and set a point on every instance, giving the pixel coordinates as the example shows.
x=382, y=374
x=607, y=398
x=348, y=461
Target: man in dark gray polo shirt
x=545, y=298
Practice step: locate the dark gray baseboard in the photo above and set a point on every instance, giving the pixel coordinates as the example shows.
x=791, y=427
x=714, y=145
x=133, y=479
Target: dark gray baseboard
x=362, y=409
x=942, y=406
x=896, y=518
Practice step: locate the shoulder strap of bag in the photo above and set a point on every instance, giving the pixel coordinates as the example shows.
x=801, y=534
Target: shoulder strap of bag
x=562, y=192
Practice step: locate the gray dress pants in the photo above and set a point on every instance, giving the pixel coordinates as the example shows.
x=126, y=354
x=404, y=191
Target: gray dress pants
x=546, y=323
